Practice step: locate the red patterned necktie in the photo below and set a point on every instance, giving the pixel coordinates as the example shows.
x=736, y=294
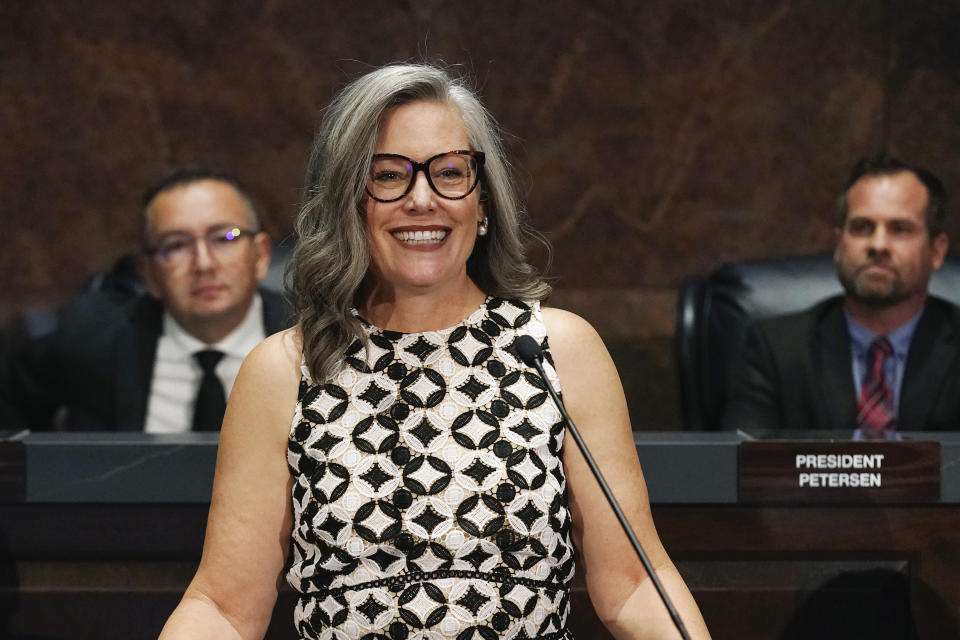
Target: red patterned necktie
x=876, y=417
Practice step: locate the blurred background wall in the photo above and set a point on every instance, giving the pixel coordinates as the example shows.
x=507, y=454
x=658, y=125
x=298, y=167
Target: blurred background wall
x=654, y=140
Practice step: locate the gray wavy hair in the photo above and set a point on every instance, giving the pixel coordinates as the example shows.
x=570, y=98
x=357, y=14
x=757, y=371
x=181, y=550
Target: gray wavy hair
x=331, y=258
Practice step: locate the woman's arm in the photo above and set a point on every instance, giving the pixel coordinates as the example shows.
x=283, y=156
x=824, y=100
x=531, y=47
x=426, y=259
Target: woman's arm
x=623, y=596
x=248, y=529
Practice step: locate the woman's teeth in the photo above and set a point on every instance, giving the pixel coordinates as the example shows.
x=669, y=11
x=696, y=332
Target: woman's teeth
x=420, y=236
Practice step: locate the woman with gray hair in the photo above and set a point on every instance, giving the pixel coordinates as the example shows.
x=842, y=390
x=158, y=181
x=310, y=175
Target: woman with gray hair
x=391, y=455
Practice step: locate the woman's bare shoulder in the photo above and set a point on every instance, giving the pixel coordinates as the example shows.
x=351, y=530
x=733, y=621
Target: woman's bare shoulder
x=581, y=360
x=278, y=355
x=270, y=374
x=564, y=321
x=570, y=335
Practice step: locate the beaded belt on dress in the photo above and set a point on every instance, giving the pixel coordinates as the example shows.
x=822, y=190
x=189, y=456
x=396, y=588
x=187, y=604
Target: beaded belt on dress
x=321, y=590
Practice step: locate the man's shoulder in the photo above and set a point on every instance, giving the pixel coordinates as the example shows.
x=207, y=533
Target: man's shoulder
x=800, y=323
x=93, y=323
x=108, y=309
x=949, y=311
x=84, y=333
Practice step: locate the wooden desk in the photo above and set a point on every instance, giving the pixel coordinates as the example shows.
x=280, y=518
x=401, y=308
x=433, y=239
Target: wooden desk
x=103, y=532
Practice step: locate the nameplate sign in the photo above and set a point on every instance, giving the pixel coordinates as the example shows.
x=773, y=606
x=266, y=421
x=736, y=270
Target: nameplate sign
x=851, y=472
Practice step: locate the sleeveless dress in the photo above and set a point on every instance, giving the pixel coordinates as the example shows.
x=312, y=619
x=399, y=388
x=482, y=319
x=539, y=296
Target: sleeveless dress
x=429, y=497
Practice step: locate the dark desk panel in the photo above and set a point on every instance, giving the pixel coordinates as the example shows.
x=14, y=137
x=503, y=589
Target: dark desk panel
x=120, y=467
x=680, y=467
x=107, y=531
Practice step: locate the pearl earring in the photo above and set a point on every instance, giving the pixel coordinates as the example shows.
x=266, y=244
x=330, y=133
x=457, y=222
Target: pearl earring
x=482, y=227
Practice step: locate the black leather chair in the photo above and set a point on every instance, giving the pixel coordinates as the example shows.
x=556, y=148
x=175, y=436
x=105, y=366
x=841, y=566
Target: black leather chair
x=123, y=277
x=712, y=315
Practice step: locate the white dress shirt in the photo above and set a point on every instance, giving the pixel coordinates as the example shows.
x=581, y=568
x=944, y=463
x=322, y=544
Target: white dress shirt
x=176, y=374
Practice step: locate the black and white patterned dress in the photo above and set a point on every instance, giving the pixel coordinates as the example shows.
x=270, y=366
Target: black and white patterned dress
x=429, y=496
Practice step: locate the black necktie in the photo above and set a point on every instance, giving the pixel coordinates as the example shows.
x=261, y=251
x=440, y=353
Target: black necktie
x=211, y=401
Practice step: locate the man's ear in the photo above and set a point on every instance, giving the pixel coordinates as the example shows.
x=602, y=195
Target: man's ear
x=263, y=249
x=145, y=268
x=837, y=235
x=940, y=245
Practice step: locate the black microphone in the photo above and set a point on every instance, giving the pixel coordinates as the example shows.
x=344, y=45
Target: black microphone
x=527, y=349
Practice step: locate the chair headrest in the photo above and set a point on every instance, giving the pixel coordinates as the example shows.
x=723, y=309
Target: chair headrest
x=764, y=288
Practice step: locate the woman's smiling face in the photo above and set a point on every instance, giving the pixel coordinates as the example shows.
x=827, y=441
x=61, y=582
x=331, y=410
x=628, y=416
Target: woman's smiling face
x=422, y=240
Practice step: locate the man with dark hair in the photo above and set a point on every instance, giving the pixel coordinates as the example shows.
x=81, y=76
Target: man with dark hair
x=884, y=356
x=164, y=362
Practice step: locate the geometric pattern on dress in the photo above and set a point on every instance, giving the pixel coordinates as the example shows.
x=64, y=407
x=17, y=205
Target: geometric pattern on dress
x=429, y=496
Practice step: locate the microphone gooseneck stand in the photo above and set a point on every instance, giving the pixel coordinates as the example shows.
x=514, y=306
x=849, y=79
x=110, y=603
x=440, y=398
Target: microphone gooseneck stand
x=527, y=349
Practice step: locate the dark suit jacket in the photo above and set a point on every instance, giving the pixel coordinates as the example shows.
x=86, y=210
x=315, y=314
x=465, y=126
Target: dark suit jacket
x=796, y=373
x=97, y=364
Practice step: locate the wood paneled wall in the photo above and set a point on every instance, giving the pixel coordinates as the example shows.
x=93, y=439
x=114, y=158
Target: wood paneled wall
x=654, y=140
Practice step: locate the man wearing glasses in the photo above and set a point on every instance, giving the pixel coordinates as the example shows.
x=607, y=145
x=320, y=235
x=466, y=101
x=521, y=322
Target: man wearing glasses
x=164, y=362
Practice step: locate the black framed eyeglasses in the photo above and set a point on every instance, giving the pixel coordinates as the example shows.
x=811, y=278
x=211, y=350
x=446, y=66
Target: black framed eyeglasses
x=179, y=248
x=452, y=175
